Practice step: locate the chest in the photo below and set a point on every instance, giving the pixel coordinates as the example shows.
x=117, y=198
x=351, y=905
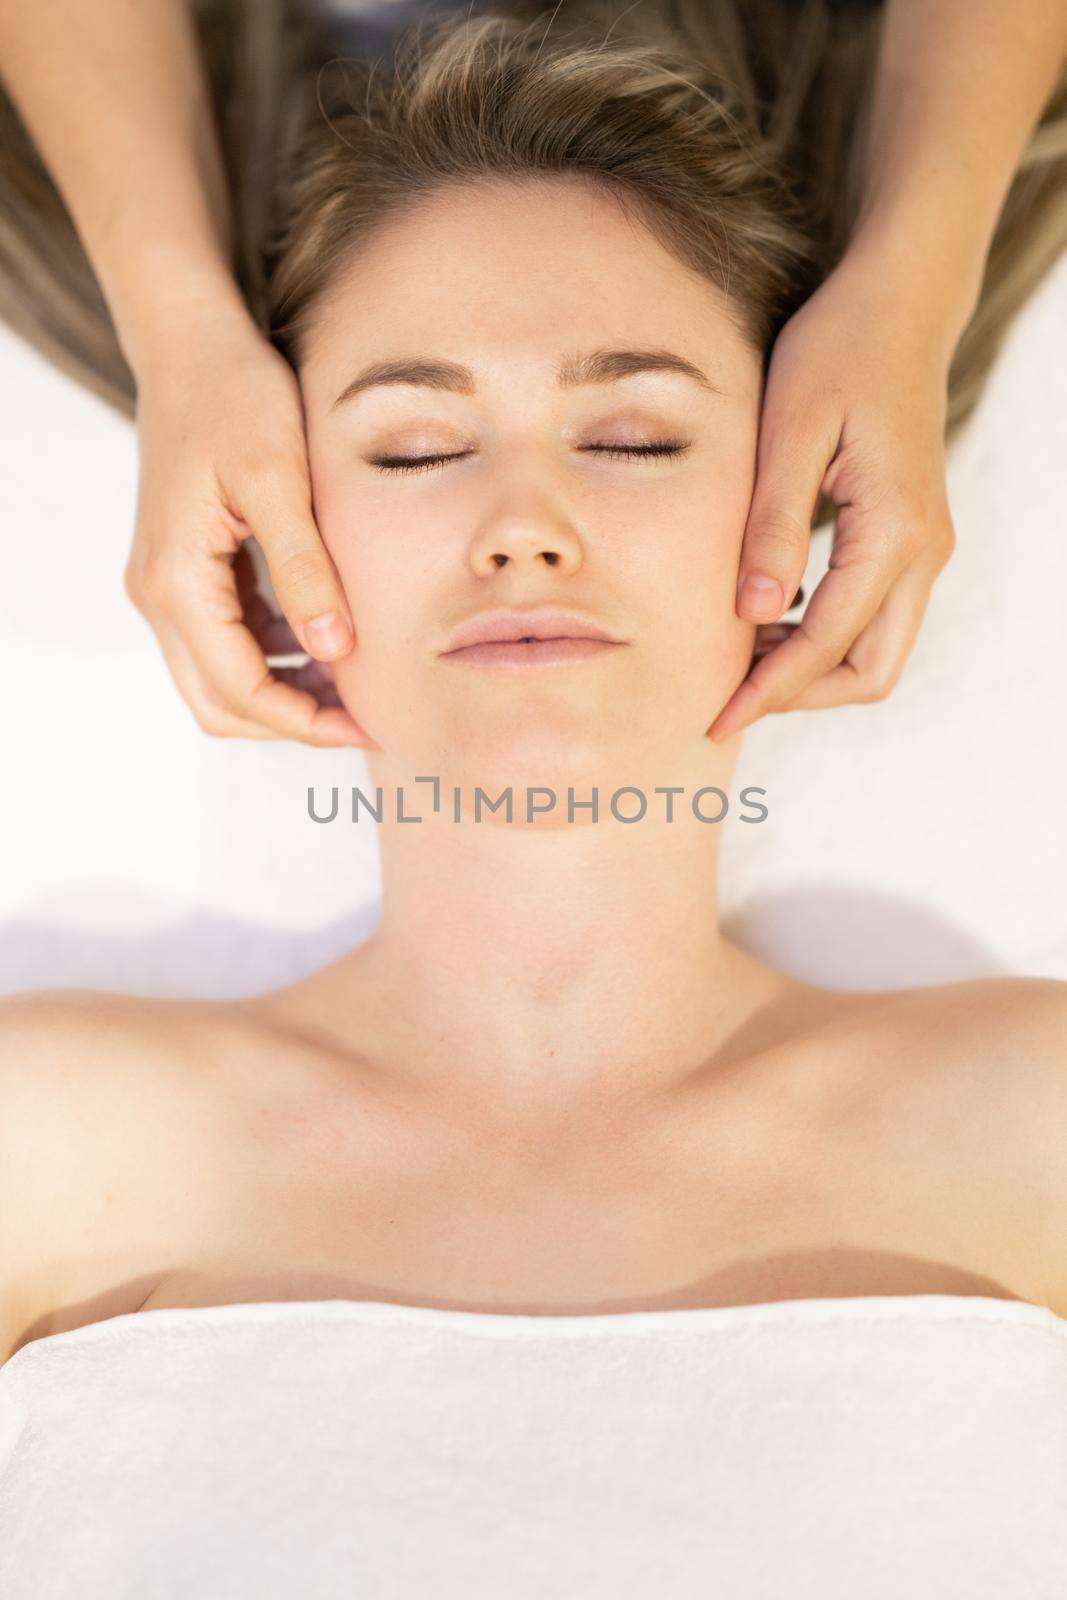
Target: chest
x=723, y=1203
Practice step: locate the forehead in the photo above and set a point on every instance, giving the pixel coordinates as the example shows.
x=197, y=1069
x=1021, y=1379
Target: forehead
x=527, y=270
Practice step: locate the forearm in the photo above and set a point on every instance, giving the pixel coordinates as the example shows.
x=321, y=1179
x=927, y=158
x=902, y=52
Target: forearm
x=959, y=87
x=114, y=97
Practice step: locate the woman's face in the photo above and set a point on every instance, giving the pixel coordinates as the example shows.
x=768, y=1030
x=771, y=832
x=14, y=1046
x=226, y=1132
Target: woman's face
x=513, y=282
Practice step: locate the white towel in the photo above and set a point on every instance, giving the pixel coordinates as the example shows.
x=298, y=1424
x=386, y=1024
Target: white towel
x=884, y=1446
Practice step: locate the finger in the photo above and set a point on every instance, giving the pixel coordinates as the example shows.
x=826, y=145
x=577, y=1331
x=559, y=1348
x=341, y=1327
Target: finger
x=277, y=508
x=841, y=606
x=208, y=710
x=236, y=669
x=234, y=677
x=792, y=458
x=271, y=632
x=875, y=660
x=205, y=610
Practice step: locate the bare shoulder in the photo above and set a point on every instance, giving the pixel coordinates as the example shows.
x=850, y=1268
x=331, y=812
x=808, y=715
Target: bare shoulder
x=70, y=1038
x=998, y=1044
x=1011, y=1031
x=999, y=1022
x=87, y=1104
x=1008, y=1025
x=34, y=1019
x=996, y=1054
x=1025, y=1046
x=61, y=1047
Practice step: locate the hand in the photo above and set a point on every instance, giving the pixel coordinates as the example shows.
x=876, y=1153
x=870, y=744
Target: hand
x=223, y=457
x=854, y=409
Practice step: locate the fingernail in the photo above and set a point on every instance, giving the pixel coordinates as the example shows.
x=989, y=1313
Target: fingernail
x=760, y=597
x=327, y=634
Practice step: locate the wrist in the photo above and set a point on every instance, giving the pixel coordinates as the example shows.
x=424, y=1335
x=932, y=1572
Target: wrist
x=179, y=303
x=924, y=261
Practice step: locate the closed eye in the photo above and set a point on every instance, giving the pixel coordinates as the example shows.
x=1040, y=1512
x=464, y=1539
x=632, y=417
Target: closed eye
x=662, y=447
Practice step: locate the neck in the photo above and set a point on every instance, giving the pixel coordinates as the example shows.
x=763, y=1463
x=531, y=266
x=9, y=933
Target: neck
x=526, y=969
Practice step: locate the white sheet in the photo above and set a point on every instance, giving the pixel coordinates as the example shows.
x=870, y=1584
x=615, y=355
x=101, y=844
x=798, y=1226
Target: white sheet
x=914, y=841
x=818, y=1449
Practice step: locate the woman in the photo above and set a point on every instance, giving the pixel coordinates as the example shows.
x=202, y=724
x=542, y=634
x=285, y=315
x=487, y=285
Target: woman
x=547, y=1087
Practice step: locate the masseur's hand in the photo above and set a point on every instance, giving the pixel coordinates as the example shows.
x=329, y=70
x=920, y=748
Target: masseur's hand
x=223, y=457
x=854, y=408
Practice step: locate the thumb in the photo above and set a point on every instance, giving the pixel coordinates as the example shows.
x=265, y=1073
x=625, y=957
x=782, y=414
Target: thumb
x=304, y=578
x=774, y=553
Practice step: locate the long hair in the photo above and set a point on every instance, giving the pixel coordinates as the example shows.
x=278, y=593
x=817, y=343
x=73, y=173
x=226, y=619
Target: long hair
x=732, y=128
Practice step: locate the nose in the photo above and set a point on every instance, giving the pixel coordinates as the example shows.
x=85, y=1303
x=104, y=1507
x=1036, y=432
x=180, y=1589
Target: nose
x=530, y=538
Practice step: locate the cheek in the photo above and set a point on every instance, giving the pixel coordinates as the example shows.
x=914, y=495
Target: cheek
x=694, y=591
x=365, y=551
x=370, y=588
x=716, y=541
x=333, y=503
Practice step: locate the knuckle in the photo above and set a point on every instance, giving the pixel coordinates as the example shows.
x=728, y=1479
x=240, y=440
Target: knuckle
x=945, y=543
x=902, y=530
x=254, y=704
x=252, y=464
x=258, y=463
x=213, y=720
x=916, y=533
x=298, y=570
x=779, y=530
x=918, y=527
x=823, y=654
x=131, y=583
x=276, y=472
x=757, y=689
x=154, y=580
x=880, y=684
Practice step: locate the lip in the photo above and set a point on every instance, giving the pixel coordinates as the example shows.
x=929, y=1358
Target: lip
x=513, y=653
x=509, y=626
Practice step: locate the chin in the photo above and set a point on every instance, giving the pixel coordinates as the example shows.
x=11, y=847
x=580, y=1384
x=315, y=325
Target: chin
x=522, y=759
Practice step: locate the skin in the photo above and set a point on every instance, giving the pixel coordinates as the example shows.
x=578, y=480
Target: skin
x=548, y=1083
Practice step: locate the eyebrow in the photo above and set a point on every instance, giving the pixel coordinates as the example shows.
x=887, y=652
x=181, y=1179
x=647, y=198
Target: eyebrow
x=598, y=366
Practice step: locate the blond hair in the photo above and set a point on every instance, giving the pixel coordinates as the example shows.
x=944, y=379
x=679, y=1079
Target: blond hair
x=730, y=128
